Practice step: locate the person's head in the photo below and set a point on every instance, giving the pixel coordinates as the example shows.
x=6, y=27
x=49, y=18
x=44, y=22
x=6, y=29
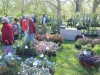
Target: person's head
x=23, y=17
x=28, y=17
x=15, y=19
x=5, y=20
x=33, y=15
x=43, y=14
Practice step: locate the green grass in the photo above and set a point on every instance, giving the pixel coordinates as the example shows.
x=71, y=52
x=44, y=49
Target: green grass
x=68, y=64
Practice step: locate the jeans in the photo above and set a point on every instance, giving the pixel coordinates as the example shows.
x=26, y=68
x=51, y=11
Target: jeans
x=31, y=37
x=26, y=35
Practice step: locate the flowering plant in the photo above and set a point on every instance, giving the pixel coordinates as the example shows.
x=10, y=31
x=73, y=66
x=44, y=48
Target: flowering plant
x=36, y=66
x=88, y=57
x=43, y=46
x=84, y=41
x=10, y=64
x=49, y=37
x=96, y=41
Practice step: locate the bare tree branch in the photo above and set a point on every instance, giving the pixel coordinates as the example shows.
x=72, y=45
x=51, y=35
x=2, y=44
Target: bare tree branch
x=51, y=4
x=63, y=3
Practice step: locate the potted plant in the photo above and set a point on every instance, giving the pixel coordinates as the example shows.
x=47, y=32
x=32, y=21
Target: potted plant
x=77, y=45
x=78, y=26
x=54, y=53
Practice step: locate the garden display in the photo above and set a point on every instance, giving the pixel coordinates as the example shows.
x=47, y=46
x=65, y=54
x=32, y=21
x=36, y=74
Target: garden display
x=88, y=57
x=44, y=44
x=57, y=38
x=11, y=64
x=85, y=41
x=34, y=66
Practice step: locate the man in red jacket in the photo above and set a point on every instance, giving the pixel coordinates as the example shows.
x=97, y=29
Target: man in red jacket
x=32, y=28
x=7, y=31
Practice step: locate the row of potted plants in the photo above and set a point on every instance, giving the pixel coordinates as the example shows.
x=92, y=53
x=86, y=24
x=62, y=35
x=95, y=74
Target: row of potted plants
x=85, y=41
x=11, y=64
x=88, y=57
x=49, y=37
x=38, y=47
x=89, y=60
x=37, y=66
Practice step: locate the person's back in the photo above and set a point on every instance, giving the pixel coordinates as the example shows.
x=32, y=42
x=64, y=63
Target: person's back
x=32, y=27
x=24, y=25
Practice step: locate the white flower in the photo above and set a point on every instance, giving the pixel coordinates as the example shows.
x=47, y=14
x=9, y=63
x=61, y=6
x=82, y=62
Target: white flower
x=12, y=58
x=18, y=45
x=47, y=48
x=42, y=55
x=35, y=63
x=26, y=47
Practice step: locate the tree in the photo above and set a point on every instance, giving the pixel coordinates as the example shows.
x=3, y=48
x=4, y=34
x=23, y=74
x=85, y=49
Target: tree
x=58, y=5
x=95, y=5
x=5, y=4
x=78, y=5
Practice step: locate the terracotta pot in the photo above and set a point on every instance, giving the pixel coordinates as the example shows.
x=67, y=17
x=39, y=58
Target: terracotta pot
x=81, y=61
x=95, y=65
x=87, y=65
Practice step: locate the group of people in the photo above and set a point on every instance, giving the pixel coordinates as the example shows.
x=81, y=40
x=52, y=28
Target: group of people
x=27, y=26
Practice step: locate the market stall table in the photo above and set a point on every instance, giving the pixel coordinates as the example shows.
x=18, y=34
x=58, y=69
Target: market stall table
x=70, y=33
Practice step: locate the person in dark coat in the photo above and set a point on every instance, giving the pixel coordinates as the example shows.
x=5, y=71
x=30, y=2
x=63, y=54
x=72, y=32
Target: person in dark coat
x=7, y=31
x=33, y=18
x=44, y=20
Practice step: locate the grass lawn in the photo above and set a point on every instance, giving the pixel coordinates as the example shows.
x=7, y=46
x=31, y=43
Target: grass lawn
x=68, y=64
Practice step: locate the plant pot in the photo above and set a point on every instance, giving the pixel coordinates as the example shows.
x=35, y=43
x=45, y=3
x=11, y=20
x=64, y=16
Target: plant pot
x=87, y=65
x=83, y=27
x=59, y=43
x=49, y=54
x=95, y=65
x=81, y=62
x=54, y=54
x=51, y=71
x=79, y=28
x=78, y=46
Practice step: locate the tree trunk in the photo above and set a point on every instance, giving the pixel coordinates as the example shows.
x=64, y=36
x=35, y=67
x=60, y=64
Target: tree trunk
x=59, y=18
x=95, y=5
x=78, y=5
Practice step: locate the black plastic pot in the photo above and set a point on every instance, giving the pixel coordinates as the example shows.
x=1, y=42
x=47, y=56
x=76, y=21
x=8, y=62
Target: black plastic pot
x=54, y=54
x=78, y=46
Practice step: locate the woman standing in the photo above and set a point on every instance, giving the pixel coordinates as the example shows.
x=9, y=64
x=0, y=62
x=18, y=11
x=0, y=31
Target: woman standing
x=7, y=31
x=16, y=28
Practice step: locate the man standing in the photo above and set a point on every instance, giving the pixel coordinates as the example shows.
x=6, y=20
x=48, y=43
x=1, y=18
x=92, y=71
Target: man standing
x=44, y=20
x=33, y=18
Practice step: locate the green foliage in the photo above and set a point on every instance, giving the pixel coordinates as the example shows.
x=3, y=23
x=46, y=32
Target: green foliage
x=25, y=48
x=9, y=65
x=97, y=49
